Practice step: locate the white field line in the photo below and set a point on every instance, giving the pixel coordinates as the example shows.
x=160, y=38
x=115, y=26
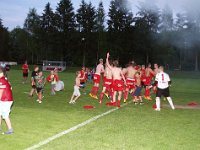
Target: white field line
x=48, y=140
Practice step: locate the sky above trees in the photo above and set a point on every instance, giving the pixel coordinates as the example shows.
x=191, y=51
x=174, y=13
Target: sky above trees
x=13, y=12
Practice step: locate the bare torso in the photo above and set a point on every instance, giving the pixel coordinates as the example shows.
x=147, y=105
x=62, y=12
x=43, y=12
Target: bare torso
x=77, y=81
x=108, y=73
x=149, y=72
x=116, y=73
x=99, y=69
x=130, y=72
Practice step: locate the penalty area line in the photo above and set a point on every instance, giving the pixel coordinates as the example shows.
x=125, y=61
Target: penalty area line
x=56, y=136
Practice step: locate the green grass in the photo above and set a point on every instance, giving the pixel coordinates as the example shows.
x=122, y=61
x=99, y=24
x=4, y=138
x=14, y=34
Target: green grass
x=131, y=127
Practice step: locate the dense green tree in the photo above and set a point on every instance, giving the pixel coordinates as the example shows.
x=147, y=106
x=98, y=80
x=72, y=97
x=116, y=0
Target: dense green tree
x=66, y=27
x=4, y=42
x=48, y=30
x=86, y=16
x=146, y=24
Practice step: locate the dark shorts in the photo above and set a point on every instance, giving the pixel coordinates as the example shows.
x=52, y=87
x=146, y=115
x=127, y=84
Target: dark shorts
x=82, y=85
x=39, y=90
x=33, y=86
x=137, y=91
x=25, y=74
x=163, y=92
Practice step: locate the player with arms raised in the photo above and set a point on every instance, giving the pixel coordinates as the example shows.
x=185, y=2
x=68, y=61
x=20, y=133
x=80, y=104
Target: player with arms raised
x=97, y=79
x=107, y=83
x=118, y=77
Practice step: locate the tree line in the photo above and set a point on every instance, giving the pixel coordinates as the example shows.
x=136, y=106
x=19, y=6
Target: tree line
x=81, y=37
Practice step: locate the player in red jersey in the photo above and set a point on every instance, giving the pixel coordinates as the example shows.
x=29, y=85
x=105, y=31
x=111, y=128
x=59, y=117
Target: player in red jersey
x=118, y=78
x=97, y=79
x=107, y=83
x=25, y=70
x=53, y=79
x=83, y=79
x=129, y=72
x=149, y=73
x=6, y=101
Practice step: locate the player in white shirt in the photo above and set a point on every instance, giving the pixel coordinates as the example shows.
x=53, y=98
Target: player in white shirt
x=163, y=82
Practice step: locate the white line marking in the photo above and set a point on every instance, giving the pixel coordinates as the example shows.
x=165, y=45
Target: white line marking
x=48, y=140
x=26, y=92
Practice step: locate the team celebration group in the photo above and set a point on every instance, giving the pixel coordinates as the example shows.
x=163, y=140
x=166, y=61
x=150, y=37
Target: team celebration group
x=117, y=83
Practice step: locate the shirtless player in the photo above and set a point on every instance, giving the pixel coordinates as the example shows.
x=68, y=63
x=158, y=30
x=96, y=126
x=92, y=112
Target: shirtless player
x=149, y=73
x=107, y=83
x=130, y=74
x=97, y=79
x=118, y=85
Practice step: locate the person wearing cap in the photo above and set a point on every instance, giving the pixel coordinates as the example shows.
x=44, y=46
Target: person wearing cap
x=6, y=101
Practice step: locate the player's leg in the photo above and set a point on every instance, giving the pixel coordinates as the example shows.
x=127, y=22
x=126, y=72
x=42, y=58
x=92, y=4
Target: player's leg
x=6, y=112
x=78, y=94
x=102, y=94
x=126, y=94
x=157, y=104
x=170, y=102
x=72, y=98
x=9, y=126
x=119, y=98
x=40, y=96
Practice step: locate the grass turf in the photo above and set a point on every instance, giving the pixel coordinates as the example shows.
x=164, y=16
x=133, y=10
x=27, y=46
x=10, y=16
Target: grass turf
x=131, y=127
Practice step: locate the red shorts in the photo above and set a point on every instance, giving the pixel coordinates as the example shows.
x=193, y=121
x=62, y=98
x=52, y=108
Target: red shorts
x=118, y=85
x=130, y=83
x=107, y=83
x=147, y=80
x=97, y=78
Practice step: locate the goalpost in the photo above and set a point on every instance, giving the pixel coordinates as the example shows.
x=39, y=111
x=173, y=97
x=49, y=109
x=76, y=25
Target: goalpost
x=52, y=65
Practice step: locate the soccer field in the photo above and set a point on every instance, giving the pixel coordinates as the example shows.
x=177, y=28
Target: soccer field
x=128, y=128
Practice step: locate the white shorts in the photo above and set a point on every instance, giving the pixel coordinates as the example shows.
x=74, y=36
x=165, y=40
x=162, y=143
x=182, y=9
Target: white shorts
x=76, y=91
x=5, y=108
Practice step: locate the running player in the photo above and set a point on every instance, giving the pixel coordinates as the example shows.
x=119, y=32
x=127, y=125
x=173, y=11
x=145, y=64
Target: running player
x=129, y=72
x=97, y=79
x=76, y=94
x=25, y=70
x=163, y=82
x=107, y=83
x=118, y=78
x=39, y=83
x=34, y=74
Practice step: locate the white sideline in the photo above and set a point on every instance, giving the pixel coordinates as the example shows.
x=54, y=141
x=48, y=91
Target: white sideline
x=72, y=129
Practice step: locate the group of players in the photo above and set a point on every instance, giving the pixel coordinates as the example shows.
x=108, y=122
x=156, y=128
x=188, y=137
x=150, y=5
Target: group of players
x=118, y=82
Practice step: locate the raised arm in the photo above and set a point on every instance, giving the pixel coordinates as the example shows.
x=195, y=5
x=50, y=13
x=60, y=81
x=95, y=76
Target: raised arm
x=107, y=61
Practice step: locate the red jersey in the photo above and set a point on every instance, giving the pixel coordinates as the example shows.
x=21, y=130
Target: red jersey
x=52, y=78
x=82, y=75
x=7, y=90
x=25, y=68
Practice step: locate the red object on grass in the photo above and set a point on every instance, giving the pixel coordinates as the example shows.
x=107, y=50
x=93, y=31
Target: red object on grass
x=88, y=107
x=154, y=106
x=192, y=104
x=109, y=104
